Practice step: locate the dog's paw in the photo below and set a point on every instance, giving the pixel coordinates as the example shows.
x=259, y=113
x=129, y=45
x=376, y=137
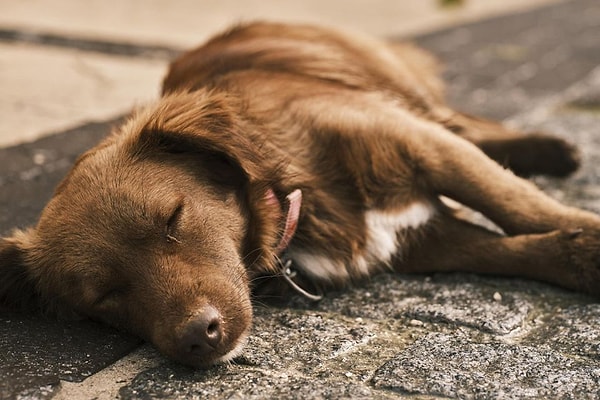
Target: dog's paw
x=535, y=154
x=583, y=252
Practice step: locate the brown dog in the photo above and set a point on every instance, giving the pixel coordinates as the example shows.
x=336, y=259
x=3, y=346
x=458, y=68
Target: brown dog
x=163, y=227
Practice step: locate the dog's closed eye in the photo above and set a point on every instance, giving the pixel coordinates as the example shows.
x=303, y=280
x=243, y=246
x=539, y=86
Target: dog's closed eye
x=110, y=295
x=172, y=224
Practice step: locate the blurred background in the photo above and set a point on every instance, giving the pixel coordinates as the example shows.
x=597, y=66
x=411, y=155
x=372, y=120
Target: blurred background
x=65, y=62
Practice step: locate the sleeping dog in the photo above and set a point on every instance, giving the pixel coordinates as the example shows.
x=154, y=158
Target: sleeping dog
x=302, y=154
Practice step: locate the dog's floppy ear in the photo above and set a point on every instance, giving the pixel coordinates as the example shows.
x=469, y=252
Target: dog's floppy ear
x=211, y=127
x=17, y=287
x=204, y=123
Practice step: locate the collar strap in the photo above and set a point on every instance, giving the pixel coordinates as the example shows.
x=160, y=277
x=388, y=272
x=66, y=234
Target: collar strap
x=286, y=269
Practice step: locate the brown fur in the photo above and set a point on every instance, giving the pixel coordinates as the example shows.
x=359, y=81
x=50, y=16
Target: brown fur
x=163, y=228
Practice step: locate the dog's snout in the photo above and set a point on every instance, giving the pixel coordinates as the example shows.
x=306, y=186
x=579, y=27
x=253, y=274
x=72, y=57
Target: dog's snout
x=203, y=332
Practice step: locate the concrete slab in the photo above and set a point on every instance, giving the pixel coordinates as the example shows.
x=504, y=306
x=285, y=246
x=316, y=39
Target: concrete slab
x=106, y=384
x=37, y=353
x=518, y=60
x=45, y=89
x=186, y=22
x=458, y=366
x=37, y=101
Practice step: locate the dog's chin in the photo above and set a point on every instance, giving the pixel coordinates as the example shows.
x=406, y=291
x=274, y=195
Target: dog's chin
x=203, y=362
x=236, y=351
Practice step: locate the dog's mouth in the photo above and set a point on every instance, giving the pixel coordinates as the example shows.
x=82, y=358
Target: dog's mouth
x=199, y=358
x=235, y=352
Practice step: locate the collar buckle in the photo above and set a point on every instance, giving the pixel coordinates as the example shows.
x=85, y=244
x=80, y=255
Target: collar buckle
x=288, y=273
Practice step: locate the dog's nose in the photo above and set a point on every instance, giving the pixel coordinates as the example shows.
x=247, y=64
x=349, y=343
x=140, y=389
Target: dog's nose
x=203, y=332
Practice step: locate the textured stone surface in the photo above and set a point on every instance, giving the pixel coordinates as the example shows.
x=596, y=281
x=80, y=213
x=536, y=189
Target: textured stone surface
x=455, y=299
x=455, y=366
x=302, y=340
x=36, y=353
x=574, y=330
x=240, y=383
x=340, y=349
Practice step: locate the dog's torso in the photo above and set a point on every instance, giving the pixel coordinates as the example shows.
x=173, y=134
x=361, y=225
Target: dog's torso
x=312, y=96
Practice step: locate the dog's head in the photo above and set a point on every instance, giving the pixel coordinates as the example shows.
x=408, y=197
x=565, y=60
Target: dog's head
x=154, y=231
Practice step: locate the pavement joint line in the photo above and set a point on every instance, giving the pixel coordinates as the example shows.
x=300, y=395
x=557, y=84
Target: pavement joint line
x=128, y=49
x=105, y=384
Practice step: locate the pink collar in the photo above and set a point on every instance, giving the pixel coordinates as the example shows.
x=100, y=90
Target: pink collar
x=286, y=269
x=293, y=204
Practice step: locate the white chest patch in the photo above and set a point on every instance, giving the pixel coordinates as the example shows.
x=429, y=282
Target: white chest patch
x=382, y=243
x=383, y=228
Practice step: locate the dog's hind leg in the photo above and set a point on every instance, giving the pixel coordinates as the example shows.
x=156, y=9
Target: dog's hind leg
x=524, y=154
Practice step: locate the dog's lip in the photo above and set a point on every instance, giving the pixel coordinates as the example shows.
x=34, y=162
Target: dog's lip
x=198, y=361
x=236, y=351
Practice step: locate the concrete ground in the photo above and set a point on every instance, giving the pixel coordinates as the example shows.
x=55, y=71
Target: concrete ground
x=70, y=69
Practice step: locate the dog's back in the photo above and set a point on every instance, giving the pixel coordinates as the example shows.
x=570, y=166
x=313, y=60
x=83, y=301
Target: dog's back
x=278, y=52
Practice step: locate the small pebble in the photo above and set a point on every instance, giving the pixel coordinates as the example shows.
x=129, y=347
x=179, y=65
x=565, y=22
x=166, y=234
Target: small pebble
x=497, y=296
x=415, y=322
x=39, y=159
